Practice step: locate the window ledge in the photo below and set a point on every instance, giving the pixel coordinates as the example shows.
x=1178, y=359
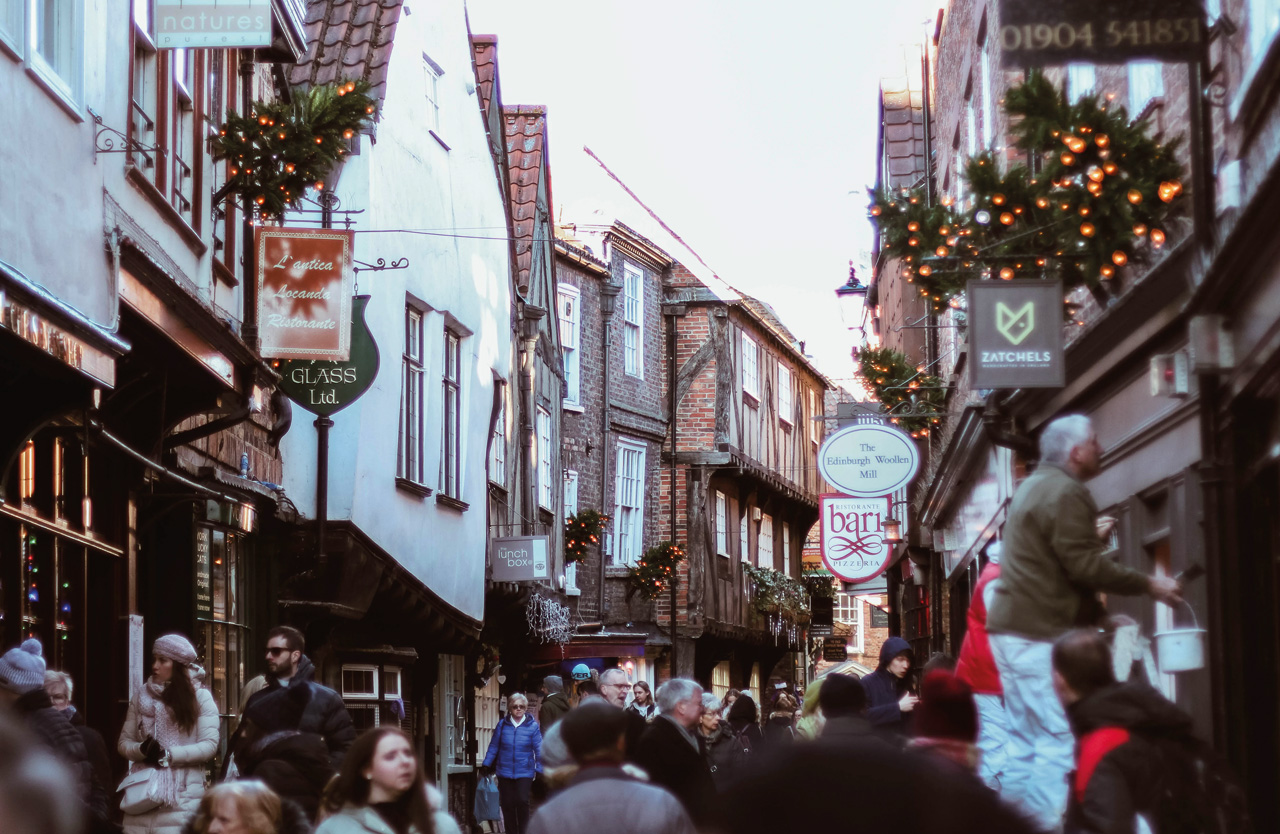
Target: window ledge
x=750, y=399
x=9, y=47
x=49, y=81
x=436, y=136
x=577, y=408
x=225, y=274
x=144, y=184
x=573, y=592
x=413, y=487
x=452, y=503
x=617, y=572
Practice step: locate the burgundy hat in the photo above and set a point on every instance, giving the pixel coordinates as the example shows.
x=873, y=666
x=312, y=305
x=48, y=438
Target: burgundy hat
x=946, y=708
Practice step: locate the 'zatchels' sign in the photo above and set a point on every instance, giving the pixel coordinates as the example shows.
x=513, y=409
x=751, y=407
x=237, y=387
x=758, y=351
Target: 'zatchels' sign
x=1038, y=32
x=305, y=280
x=1015, y=334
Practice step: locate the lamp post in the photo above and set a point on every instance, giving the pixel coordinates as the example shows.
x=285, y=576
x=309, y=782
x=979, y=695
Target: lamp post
x=853, y=301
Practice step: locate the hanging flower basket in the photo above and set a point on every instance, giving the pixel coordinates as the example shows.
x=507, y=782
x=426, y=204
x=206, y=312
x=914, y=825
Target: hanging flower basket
x=777, y=593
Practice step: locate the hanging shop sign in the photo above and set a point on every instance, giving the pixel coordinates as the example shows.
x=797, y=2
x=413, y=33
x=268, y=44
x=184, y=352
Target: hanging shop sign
x=204, y=572
x=326, y=388
x=520, y=559
x=183, y=24
x=853, y=545
x=835, y=650
x=868, y=460
x=822, y=611
x=305, y=281
x=879, y=617
x=1038, y=32
x=1015, y=334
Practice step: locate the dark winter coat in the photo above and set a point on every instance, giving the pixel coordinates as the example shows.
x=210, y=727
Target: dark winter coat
x=1129, y=737
x=54, y=729
x=822, y=773
x=293, y=820
x=742, y=720
x=294, y=765
x=104, y=783
x=855, y=732
x=515, y=752
x=552, y=709
x=884, y=690
x=322, y=711
x=779, y=729
x=727, y=754
x=636, y=725
x=675, y=764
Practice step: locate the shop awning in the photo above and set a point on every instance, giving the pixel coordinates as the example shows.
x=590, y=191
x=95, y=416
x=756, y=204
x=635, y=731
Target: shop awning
x=595, y=645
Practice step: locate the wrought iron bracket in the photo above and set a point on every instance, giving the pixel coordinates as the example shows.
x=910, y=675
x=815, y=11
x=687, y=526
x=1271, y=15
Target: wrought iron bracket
x=105, y=140
x=380, y=265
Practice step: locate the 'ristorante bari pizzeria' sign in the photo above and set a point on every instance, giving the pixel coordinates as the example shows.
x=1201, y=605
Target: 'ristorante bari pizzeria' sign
x=305, y=282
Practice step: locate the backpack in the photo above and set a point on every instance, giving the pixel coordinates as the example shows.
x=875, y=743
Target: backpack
x=1198, y=795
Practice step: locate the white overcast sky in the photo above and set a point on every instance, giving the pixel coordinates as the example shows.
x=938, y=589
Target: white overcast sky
x=744, y=124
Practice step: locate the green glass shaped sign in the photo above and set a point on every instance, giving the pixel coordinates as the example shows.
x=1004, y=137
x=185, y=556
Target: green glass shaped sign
x=324, y=387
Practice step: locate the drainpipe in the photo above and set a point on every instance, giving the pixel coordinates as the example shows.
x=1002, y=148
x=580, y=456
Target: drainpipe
x=608, y=301
x=671, y=314
x=528, y=370
x=249, y=317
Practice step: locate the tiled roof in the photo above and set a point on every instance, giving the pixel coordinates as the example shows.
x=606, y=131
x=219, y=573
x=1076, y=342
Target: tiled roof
x=525, y=128
x=348, y=39
x=902, y=100
x=486, y=65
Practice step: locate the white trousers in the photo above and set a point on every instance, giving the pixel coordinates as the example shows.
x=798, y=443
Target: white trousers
x=1041, y=747
x=993, y=739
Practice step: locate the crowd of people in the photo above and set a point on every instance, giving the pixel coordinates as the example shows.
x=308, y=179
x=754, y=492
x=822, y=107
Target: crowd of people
x=1035, y=729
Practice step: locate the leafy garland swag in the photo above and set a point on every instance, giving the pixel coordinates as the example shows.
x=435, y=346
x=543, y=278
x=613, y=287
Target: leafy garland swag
x=652, y=575
x=895, y=381
x=1102, y=195
x=580, y=530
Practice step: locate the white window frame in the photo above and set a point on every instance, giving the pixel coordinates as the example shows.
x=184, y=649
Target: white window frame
x=722, y=524
x=786, y=548
x=1082, y=79
x=570, y=508
x=988, y=97
x=744, y=536
x=387, y=693
x=569, y=307
x=452, y=374
x=628, y=516
x=411, y=447
x=786, y=398
x=764, y=542
x=750, y=366
x=65, y=81
x=498, y=440
x=633, y=320
x=361, y=696
x=851, y=610
x=13, y=16
x=544, y=451
x=431, y=73
x=1146, y=83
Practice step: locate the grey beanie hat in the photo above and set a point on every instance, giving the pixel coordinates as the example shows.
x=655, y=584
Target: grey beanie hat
x=22, y=669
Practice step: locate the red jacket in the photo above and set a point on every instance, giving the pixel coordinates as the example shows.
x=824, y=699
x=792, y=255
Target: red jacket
x=976, y=666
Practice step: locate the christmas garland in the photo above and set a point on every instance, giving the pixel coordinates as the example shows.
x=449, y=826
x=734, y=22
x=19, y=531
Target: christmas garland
x=655, y=570
x=582, y=529
x=895, y=381
x=281, y=149
x=778, y=593
x=1104, y=195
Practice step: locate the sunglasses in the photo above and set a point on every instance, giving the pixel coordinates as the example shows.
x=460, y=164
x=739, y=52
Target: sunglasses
x=275, y=650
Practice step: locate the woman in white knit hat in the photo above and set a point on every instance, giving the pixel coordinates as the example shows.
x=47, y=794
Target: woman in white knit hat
x=170, y=733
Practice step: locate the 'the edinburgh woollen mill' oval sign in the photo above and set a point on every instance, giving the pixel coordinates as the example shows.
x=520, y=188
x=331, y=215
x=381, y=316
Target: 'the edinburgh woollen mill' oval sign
x=868, y=460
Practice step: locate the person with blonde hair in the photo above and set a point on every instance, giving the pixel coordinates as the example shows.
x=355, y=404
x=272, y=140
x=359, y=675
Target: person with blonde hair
x=246, y=807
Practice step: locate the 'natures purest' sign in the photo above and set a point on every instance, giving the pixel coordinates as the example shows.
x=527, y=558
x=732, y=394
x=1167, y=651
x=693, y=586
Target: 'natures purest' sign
x=868, y=460
x=305, y=280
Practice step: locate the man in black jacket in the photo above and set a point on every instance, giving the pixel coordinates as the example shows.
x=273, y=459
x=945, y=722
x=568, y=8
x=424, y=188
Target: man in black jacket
x=671, y=752
x=314, y=708
x=888, y=697
x=1135, y=753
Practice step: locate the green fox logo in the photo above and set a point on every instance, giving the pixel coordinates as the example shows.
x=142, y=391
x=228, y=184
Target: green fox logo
x=1015, y=326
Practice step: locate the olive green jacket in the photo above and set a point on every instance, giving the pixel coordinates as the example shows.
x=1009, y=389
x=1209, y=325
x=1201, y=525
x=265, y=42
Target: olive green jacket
x=1053, y=559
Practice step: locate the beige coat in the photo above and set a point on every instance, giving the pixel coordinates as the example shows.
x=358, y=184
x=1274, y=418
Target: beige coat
x=189, y=759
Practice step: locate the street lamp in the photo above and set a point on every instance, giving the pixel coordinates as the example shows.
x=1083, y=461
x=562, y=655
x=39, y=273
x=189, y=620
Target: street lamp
x=892, y=531
x=853, y=300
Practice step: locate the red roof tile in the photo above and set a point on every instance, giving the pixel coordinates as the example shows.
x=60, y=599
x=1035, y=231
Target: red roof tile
x=525, y=129
x=348, y=40
x=486, y=64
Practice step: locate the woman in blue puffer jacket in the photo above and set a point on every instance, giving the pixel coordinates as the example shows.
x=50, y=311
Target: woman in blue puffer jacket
x=515, y=753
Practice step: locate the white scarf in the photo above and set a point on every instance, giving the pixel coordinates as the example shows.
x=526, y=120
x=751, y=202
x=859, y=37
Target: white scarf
x=165, y=730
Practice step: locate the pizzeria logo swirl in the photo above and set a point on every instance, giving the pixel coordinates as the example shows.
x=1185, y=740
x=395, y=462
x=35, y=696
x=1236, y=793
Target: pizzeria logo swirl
x=855, y=553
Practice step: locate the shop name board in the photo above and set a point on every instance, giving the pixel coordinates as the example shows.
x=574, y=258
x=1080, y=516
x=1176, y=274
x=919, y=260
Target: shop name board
x=183, y=24
x=305, y=281
x=41, y=333
x=835, y=650
x=204, y=585
x=1015, y=334
x=852, y=530
x=1039, y=32
x=326, y=388
x=520, y=559
x=868, y=460
x=879, y=617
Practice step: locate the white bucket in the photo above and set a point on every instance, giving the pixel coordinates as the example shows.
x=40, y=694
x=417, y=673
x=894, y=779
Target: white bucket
x=1181, y=649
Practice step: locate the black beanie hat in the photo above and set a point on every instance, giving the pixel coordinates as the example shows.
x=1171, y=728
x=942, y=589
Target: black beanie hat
x=841, y=695
x=592, y=727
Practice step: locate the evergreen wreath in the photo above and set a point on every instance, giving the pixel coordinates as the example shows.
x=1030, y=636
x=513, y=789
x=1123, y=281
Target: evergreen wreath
x=580, y=530
x=777, y=593
x=894, y=381
x=281, y=149
x=1103, y=195
x=652, y=575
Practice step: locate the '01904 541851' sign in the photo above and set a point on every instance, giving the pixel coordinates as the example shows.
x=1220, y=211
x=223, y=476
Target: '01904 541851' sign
x=853, y=545
x=1039, y=32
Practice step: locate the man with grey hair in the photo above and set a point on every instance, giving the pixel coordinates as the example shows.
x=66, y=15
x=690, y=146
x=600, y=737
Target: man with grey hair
x=614, y=687
x=1052, y=567
x=554, y=702
x=671, y=751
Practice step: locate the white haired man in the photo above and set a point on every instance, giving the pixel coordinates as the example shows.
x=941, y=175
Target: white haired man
x=1052, y=566
x=671, y=752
